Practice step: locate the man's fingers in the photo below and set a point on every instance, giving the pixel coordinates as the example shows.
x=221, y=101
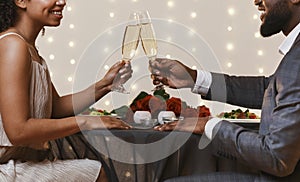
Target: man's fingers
x=159, y=79
x=160, y=63
x=166, y=127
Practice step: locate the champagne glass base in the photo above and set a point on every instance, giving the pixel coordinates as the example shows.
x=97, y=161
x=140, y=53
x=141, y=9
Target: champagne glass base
x=158, y=87
x=121, y=89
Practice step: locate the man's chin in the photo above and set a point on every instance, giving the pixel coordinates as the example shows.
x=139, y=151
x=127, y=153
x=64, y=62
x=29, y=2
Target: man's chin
x=265, y=32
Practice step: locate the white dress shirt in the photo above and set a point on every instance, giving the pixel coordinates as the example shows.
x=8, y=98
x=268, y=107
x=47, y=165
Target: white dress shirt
x=204, y=78
x=286, y=45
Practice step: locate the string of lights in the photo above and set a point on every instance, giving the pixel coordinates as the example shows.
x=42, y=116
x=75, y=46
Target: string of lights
x=231, y=28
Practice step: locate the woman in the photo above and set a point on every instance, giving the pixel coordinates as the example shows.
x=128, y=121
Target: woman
x=32, y=112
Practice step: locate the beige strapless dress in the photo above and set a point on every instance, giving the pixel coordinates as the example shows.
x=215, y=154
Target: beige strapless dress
x=41, y=170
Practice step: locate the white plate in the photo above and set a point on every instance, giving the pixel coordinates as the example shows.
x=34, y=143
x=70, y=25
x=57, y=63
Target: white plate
x=242, y=120
x=143, y=126
x=112, y=115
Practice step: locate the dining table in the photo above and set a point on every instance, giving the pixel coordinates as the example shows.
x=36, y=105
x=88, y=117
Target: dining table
x=147, y=155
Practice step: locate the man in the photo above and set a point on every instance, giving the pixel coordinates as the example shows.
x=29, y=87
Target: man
x=275, y=150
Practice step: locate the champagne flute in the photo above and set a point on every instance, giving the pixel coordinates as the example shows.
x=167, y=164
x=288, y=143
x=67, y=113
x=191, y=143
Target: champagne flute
x=129, y=45
x=148, y=39
x=148, y=35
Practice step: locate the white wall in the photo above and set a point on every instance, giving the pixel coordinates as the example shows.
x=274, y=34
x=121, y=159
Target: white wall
x=88, y=24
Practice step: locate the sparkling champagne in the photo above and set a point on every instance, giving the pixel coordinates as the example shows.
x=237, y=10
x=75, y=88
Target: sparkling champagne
x=130, y=42
x=149, y=40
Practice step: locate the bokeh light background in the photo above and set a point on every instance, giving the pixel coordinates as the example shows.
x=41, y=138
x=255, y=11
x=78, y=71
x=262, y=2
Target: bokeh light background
x=229, y=27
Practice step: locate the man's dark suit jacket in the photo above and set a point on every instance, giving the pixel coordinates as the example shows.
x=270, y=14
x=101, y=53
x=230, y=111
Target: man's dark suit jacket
x=275, y=150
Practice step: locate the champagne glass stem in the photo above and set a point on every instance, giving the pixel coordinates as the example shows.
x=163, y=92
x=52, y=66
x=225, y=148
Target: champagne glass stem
x=129, y=46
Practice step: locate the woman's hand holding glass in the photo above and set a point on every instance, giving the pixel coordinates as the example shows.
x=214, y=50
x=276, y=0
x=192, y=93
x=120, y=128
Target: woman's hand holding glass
x=119, y=73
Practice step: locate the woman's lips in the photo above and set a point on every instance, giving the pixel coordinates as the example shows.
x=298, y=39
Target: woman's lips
x=57, y=13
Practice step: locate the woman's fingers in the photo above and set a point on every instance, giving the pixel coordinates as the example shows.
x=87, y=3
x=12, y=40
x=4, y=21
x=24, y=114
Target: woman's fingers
x=126, y=71
x=114, y=123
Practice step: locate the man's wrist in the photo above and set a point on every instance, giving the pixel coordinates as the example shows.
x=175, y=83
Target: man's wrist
x=193, y=74
x=202, y=83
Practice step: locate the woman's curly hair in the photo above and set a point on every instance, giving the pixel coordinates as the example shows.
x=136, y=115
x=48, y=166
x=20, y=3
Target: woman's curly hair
x=8, y=14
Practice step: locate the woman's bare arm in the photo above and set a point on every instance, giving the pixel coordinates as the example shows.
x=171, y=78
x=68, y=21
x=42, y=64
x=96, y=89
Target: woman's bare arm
x=73, y=104
x=21, y=129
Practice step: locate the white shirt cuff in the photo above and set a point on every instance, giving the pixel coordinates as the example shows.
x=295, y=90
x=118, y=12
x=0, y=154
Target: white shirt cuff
x=203, y=82
x=208, y=130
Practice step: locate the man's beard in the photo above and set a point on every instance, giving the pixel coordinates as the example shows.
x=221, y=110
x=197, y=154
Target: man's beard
x=276, y=19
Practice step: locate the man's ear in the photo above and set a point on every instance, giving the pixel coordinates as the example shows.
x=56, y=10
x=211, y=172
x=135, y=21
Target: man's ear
x=21, y=3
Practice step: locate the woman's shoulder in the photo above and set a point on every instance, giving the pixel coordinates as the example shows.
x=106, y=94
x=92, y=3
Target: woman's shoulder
x=13, y=49
x=11, y=37
x=12, y=42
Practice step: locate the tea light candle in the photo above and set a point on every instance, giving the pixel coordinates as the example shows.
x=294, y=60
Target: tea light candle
x=141, y=116
x=165, y=114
